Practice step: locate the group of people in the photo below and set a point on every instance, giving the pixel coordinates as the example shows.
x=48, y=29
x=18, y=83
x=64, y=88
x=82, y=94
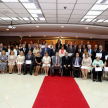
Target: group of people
x=67, y=57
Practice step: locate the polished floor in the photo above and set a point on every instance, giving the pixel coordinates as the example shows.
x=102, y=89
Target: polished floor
x=19, y=91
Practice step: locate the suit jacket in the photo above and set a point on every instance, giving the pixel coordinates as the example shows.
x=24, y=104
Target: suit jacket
x=103, y=54
x=93, y=54
x=22, y=49
x=66, y=61
x=53, y=53
x=54, y=61
x=74, y=47
x=66, y=46
x=57, y=46
x=79, y=60
x=31, y=58
x=43, y=51
x=3, y=49
x=71, y=51
x=80, y=54
x=27, y=50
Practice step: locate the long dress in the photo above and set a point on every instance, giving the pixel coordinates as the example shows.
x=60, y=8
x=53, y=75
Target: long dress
x=3, y=58
x=46, y=60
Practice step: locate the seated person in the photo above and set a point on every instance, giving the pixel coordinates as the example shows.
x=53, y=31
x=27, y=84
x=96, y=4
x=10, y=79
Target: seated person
x=11, y=61
x=87, y=61
x=20, y=61
x=76, y=61
x=97, y=63
x=46, y=63
x=38, y=61
x=29, y=56
x=56, y=62
x=66, y=63
x=3, y=61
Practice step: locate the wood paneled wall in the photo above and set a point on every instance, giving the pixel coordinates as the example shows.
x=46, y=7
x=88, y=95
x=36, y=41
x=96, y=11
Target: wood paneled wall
x=92, y=42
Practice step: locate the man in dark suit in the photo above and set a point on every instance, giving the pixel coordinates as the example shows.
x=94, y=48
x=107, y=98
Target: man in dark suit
x=29, y=48
x=79, y=51
x=56, y=62
x=75, y=45
x=94, y=52
x=46, y=49
x=29, y=56
x=66, y=45
x=53, y=51
x=76, y=64
x=71, y=49
x=101, y=51
x=23, y=49
x=66, y=63
x=1, y=47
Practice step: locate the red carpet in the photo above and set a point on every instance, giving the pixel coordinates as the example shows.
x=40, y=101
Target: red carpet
x=60, y=92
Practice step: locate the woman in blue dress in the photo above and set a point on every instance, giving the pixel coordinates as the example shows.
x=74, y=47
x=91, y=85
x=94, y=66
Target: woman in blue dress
x=3, y=61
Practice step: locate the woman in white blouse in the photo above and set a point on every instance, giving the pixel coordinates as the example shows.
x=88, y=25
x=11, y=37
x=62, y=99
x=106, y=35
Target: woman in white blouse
x=36, y=50
x=62, y=51
x=11, y=61
x=19, y=61
x=46, y=63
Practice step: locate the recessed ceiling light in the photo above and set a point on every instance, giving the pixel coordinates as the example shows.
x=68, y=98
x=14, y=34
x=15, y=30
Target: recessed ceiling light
x=62, y=26
x=37, y=26
x=90, y=37
x=7, y=29
x=76, y=37
x=86, y=27
x=44, y=36
x=10, y=0
x=29, y=35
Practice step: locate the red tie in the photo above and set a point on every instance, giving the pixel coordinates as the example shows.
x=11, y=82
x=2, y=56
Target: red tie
x=79, y=51
x=57, y=60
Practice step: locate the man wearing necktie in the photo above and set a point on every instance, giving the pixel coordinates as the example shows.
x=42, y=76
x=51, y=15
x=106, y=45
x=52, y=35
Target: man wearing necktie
x=66, y=63
x=71, y=49
x=94, y=52
x=53, y=51
x=76, y=64
x=30, y=57
x=101, y=51
x=46, y=49
x=56, y=62
x=89, y=50
x=79, y=50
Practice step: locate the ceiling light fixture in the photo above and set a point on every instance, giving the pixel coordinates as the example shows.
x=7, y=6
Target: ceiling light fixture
x=9, y=0
x=86, y=27
x=62, y=26
x=7, y=29
x=30, y=5
x=42, y=18
x=37, y=26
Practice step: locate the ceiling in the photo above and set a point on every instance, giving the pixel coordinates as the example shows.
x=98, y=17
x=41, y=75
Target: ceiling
x=50, y=15
x=52, y=11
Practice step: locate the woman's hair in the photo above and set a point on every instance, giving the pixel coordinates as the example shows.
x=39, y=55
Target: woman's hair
x=3, y=51
x=11, y=52
x=22, y=52
x=87, y=54
x=46, y=53
x=38, y=46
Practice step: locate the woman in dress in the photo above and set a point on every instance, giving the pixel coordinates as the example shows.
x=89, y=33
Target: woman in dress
x=87, y=61
x=11, y=61
x=3, y=61
x=38, y=61
x=62, y=51
x=20, y=61
x=46, y=63
x=97, y=63
x=36, y=50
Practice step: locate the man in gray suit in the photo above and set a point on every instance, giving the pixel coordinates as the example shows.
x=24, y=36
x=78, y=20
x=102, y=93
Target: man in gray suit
x=56, y=62
x=71, y=49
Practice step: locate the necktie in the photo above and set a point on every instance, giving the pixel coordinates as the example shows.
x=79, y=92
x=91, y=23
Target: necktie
x=29, y=56
x=79, y=51
x=100, y=51
x=70, y=48
x=57, y=60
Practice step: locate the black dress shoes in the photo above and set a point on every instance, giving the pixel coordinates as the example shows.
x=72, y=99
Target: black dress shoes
x=24, y=73
x=30, y=73
x=52, y=74
x=59, y=74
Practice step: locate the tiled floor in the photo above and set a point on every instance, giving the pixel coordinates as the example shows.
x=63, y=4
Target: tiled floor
x=19, y=91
